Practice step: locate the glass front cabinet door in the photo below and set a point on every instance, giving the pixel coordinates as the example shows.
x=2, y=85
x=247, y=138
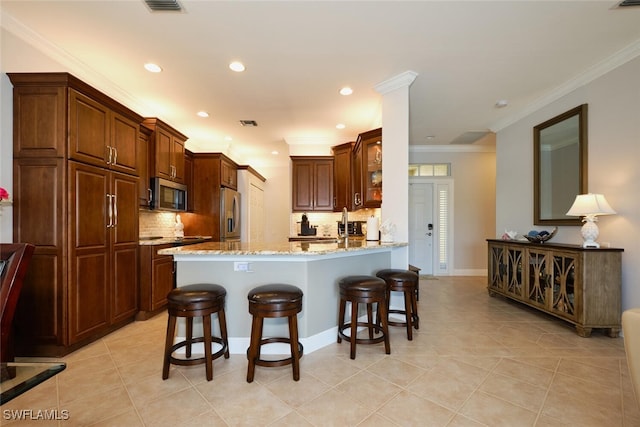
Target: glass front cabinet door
x=371, y=142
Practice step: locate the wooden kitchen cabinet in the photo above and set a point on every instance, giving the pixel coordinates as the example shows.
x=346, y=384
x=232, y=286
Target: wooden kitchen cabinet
x=100, y=136
x=103, y=289
x=343, y=177
x=581, y=286
x=166, y=146
x=188, y=178
x=209, y=174
x=312, y=183
x=157, y=279
x=368, y=169
x=228, y=173
x=144, y=187
x=76, y=198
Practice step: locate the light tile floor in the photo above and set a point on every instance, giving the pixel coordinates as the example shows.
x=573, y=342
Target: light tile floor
x=475, y=361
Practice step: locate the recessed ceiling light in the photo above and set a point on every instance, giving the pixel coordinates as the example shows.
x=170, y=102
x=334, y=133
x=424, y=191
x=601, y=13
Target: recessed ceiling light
x=275, y=153
x=202, y=114
x=151, y=67
x=346, y=91
x=501, y=103
x=228, y=138
x=340, y=126
x=237, y=66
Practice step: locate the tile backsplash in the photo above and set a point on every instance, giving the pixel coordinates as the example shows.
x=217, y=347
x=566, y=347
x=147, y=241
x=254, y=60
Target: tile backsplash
x=156, y=223
x=327, y=222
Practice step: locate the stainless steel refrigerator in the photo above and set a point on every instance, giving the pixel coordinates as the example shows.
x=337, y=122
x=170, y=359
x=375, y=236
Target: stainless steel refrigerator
x=229, y=215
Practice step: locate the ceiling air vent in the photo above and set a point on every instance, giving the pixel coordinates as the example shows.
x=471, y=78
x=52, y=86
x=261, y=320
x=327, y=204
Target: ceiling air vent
x=249, y=123
x=629, y=3
x=164, y=5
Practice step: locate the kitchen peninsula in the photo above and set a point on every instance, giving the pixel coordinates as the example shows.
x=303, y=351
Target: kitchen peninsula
x=315, y=267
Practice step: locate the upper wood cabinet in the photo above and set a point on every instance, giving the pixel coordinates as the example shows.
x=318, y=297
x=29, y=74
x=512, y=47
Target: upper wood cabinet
x=228, y=173
x=343, y=177
x=100, y=136
x=57, y=115
x=312, y=183
x=166, y=146
x=368, y=169
x=144, y=186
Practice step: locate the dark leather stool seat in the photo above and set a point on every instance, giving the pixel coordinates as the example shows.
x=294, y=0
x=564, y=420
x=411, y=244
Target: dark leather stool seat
x=366, y=290
x=404, y=281
x=270, y=301
x=197, y=300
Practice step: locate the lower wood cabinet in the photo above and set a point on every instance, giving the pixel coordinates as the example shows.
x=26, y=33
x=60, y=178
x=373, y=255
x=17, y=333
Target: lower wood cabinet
x=581, y=286
x=157, y=279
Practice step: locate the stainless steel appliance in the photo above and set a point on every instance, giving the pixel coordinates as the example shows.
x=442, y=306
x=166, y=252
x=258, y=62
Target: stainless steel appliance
x=168, y=195
x=354, y=228
x=229, y=215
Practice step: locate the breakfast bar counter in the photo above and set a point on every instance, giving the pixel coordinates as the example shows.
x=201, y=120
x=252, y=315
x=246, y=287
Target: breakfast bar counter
x=315, y=267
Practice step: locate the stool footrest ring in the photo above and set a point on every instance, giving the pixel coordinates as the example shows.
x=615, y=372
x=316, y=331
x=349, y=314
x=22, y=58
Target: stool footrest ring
x=199, y=360
x=375, y=327
x=279, y=362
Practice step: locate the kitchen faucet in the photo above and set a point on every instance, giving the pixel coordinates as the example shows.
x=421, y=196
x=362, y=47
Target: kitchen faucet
x=345, y=220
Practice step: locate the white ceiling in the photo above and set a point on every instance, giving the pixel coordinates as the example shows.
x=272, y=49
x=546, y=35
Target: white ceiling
x=298, y=54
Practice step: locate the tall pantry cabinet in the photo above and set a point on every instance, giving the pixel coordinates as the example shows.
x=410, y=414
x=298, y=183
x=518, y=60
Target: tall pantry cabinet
x=75, y=198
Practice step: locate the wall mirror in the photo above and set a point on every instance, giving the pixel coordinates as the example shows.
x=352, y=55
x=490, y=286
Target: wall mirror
x=559, y=166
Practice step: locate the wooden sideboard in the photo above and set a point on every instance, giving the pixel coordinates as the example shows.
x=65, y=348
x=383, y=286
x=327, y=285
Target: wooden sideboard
x=581, y=286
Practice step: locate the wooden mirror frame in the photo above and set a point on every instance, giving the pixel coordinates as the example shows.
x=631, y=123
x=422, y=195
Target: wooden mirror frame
x=581, y=163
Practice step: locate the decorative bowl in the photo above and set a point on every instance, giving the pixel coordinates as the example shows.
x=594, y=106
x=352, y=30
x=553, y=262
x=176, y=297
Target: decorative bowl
x=542, y=236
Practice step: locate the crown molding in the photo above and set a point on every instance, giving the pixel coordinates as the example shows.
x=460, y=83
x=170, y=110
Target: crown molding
x=401, y=80
x=614, y=61
x=70, y=63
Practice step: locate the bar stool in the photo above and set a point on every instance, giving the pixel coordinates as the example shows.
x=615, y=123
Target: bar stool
x=271, y=301
x=197, y=300
x=367, y=290
x=404, y=281
x=416, y=270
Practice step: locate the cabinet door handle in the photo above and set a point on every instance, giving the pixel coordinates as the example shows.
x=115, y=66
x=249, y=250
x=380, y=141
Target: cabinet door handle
x=115, y=210
x=356, y=199
x=150, y=197
x=115, y=155
x=110, y=211
x=109, y=154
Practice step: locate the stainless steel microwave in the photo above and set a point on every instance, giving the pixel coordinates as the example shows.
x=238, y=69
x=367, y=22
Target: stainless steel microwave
x=168, y=195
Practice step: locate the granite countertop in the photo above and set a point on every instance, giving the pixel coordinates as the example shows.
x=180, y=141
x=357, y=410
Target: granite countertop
x=279, y=248
x=159, y=240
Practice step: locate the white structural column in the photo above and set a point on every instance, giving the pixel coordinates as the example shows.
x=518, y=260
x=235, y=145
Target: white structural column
x=395, y=159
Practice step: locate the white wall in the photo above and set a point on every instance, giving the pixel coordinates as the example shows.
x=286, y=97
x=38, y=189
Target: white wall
x=614, y=152
x=474, y=176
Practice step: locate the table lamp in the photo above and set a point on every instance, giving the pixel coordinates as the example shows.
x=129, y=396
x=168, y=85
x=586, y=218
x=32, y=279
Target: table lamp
x=590, y=206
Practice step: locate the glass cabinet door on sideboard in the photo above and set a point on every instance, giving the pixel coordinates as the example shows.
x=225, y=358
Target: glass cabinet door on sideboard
x=507, y=269
x=551, y=278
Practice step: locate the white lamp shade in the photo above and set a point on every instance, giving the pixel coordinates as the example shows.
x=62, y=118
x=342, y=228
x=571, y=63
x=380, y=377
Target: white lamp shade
x=590, y=205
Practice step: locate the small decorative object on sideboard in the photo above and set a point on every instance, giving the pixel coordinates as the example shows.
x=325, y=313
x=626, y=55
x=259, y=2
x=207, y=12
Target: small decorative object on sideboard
x=509, y=235
x=535, y=236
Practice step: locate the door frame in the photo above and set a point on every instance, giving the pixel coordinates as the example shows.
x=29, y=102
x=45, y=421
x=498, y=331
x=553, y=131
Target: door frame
x=440, y=184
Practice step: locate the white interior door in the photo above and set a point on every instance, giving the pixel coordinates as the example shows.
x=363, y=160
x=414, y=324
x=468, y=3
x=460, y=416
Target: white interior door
x=421, y=226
